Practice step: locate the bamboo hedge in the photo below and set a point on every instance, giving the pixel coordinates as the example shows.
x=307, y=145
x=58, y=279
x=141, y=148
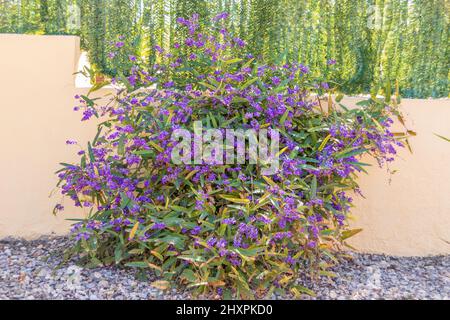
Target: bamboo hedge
x=376, y=43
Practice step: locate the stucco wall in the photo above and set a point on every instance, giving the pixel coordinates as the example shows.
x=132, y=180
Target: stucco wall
x=408, y=216
x=408, y=212
x=36, y=102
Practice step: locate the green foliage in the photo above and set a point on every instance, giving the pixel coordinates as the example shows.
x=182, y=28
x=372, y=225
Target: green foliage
x=373, y=41
x=225, y=226
x=94, y=40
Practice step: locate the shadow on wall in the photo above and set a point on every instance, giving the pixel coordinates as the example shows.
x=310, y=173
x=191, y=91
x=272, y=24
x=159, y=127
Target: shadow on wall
x=408, y=216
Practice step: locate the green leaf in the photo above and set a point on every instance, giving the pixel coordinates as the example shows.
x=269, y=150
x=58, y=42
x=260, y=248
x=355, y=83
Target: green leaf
x=174, y=239
x=231, y=61
x=442, y=137
x=235, y=200
x=180, y=209
x=137, y=264
x=118, y=253
x=251, y=252
x=98, y=86
x=339, y=97
x=284, y=117
x=226, y=123
x=94, y=142
x=192, y=258
x=313, y=187
x=350, y=153
x=89, y=102
x=248, y=83
x=305, y=290
x=208, y=86
x=143, y=152
x=121, y=146
x=350, y=233
x=324, y=142
x=156, y=146
x=91, y=153
x=124, y=200
x=363, y=103
x=189, y=275
x=213, y=120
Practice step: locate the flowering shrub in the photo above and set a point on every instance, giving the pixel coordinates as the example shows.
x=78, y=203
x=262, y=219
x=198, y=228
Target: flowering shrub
x=226, y=227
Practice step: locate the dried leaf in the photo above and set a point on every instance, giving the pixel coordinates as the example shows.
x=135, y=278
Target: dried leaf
x=161, y=284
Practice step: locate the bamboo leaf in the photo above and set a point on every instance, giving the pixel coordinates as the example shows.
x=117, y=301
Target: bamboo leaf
x=350, y=233
x=161, y=284
x=133, y=231
x=156, y=146
x=248, y=83
x=235, y=200
x=324, y=142
x=314, y=187
x=442, y=137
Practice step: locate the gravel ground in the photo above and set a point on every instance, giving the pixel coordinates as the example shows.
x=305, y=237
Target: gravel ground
x=27, y=271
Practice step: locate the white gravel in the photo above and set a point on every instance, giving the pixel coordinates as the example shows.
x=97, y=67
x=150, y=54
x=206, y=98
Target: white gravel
x=374, y=276
x=27, y=271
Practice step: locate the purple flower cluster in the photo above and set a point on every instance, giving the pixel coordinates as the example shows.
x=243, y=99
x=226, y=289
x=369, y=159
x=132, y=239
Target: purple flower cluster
x=128, y=180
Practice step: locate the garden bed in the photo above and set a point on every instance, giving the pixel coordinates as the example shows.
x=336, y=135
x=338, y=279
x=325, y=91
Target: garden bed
x=27, y=271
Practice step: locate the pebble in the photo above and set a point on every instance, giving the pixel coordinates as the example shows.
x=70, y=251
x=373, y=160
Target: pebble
x=28, y=271
x=103, y=284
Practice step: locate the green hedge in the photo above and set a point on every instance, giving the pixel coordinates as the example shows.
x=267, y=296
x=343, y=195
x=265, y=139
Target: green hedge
x=375, y=42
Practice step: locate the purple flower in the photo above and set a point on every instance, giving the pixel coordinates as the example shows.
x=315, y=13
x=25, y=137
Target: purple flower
x=249, y=231
x=221, y=16
x=158, y=226
x=196, y=230
x=87, y=204
x=87, y=114
x=211, y=241
x=290, y=260
x=222, y=243
x=276, y=81
x=229, y=221
x=312, y=244
x=189, y=42
x=280, y=236
x=169, y=84
x=82, y=235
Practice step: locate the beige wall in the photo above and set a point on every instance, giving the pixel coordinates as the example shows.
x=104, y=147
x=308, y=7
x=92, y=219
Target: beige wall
x=36, y=101
x=408, y=216
x=408, y=212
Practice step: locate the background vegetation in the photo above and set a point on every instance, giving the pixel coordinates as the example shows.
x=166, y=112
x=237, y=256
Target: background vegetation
x=374, y=42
